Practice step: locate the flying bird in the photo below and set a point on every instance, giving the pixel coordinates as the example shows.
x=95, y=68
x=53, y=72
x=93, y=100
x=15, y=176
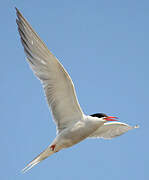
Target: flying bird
x=72, y=124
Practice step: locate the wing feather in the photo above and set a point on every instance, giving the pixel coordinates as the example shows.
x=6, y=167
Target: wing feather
x=111, y=130
x=57, y=84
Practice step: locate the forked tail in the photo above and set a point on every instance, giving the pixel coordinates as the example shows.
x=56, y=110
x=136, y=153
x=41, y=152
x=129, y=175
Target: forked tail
x=46, y=153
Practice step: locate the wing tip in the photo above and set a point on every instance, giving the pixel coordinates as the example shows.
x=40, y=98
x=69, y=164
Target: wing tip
x=17, y=11
x=136, y=126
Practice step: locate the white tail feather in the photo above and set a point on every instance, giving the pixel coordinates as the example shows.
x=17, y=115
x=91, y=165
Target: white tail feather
x=46, y=153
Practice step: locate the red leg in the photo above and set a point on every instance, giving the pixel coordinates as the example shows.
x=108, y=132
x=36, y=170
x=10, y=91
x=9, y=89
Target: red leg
x=52, y=147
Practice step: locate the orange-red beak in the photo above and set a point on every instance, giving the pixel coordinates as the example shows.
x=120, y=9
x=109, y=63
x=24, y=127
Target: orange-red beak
x=110, y=118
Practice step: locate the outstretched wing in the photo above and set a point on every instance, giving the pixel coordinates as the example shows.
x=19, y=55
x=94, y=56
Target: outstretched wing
x=111, y=130
x=58, y=86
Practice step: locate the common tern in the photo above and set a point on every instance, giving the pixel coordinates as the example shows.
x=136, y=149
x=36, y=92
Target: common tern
x=72, y=124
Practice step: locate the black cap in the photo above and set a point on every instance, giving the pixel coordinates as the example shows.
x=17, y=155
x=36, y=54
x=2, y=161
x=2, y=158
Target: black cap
x=99, y=115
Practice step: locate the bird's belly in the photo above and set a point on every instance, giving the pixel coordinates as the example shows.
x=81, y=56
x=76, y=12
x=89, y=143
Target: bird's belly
x=76, y=133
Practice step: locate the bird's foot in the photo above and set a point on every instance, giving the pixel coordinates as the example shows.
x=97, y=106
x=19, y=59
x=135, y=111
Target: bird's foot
x=52, y=147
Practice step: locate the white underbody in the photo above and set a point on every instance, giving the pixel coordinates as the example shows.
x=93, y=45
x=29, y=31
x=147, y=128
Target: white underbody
x=77, y=132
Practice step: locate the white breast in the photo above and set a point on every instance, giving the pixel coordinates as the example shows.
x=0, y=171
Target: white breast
x=78, y=131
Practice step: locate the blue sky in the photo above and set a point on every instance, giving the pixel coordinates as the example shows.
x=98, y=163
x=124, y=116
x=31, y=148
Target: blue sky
x=104, y=47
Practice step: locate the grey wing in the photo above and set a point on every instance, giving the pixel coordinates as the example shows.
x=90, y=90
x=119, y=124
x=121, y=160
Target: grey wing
x=58, y=86
x=111, y=130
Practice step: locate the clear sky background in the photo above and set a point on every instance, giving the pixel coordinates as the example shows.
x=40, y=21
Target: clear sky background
x=104, y=45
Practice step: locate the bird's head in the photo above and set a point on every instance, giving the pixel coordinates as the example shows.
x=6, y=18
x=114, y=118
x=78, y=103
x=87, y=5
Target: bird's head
x=104, y=116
